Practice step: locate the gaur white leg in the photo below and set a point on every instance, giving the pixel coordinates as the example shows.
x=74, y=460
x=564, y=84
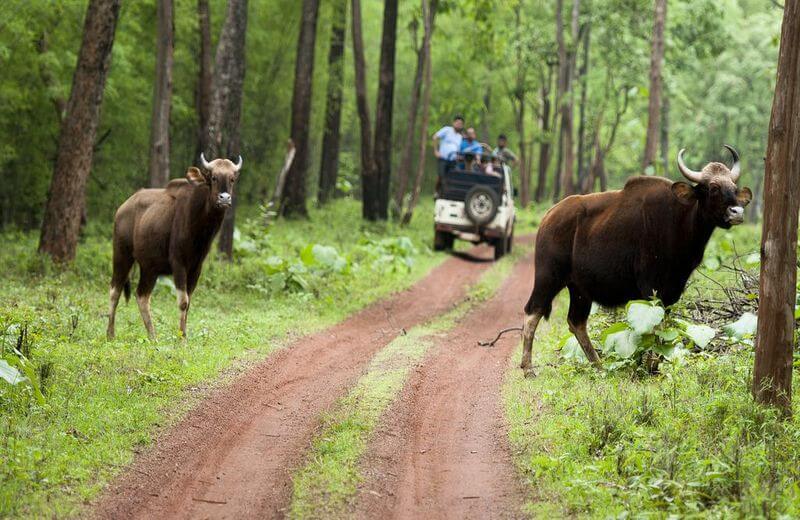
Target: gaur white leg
x=582, y=336
x=115, y=293
x=144, y=309
x=528, y=331
x=183, y=305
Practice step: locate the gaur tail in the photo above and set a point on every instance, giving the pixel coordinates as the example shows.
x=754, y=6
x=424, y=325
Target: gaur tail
x=127, y=290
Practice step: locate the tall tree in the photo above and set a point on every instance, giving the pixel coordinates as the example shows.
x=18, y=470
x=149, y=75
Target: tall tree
x=404, y=165
x=518, y=100
x=162, y=94
x=368, y=183
x=561, y=85
x=329, y=167
x=567, y=105
x=294, y=202
x=546, y=133
x=379, y=206
x=205, y=78
x=654, y=105
x=772, y=373
x=226, y=102
x=67, y=198
x=428, y=16
x=583, y=75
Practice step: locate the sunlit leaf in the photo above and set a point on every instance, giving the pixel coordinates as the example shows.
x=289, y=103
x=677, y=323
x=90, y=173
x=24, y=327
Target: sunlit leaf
x=644, y=317
x=10, y=374
x=623, y=343
x=744, y=327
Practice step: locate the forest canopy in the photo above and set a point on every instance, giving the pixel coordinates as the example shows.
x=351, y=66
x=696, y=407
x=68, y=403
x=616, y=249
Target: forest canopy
x=487, y=58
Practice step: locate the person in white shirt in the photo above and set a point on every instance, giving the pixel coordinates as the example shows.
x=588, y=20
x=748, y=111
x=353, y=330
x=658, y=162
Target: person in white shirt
x=447, y=143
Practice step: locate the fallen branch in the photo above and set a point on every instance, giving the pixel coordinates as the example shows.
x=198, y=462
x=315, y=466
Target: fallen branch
x=491, y=343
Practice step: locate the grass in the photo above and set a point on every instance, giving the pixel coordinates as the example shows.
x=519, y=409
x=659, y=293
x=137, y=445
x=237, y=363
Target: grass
x=327, y=484
x=688, y=442
x=105, y=400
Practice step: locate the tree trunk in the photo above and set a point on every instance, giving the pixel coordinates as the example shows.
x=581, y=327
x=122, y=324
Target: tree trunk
x=567, y=105
x=654, y=105
x=583, y=74
x=205, y=78
x=383, y=114
x=563, y=68
x=294, y=195
x=368, y=189
x=404, y=165
x=544, y=147
x=162, y=95
x=486, y=122
x=67, y=198
x=665, y=134
x=226, y=103
x=329, y=167
x=519, y=109
x=428, y=15
x=772, y=373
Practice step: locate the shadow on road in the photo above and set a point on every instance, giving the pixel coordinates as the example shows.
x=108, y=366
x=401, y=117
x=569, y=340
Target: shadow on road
x=469, y=257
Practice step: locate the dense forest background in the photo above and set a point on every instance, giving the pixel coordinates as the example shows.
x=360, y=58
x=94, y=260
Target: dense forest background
x=495, y=62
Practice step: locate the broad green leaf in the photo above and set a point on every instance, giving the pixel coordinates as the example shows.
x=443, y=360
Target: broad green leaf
x=616, y=327
x=644, y=317
x=623, y=343
x=10, y=374
x=700, y=335
x=745, y=326
x=571, y=349
x=668, y=335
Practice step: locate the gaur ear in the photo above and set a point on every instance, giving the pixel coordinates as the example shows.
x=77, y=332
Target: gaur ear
x=684, y=192
x=744, y=196
x=194, y=175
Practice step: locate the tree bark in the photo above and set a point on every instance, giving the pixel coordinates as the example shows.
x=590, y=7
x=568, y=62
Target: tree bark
x=162, y=95
x=383, y=114
x=329, y=167
x=404, y=165
x=226, y=103
x=654, y=105
x=428, y=15
x=665, y=134
x=563, y=68
x=567, y=106
x=772, y=373
x=544, y=147
x=67, y=198
x=368, y=190
x=519, y=112
x=205, y=78
x=583, y=75
x=294, y=203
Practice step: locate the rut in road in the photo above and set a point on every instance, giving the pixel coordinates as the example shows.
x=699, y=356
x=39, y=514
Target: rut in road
x=442, y=450
x=233, y=454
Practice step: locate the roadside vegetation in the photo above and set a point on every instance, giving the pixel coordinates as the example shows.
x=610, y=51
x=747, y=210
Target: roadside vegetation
x=685, y=440
x=327, y=484
x=76, y=408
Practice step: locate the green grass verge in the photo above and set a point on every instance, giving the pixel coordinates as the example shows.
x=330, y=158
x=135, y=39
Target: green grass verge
x=326, y=485
x=104, y=400
x=689, y=442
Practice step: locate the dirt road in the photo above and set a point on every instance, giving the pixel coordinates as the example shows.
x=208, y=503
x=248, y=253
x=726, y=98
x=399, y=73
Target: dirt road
x=232, y=456
x=442, y=450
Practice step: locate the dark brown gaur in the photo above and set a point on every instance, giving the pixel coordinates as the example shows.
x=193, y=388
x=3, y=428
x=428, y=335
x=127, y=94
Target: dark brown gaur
x=629, y=244
x=169, y=231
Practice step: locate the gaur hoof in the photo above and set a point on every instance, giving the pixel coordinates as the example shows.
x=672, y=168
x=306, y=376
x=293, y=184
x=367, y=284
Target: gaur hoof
x=528, y=372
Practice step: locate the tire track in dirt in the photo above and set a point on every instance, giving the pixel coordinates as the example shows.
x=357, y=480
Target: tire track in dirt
x=442, y=450
x=233, y=454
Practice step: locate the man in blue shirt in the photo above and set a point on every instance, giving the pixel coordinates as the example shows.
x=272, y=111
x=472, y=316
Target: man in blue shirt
x=471, y=150
x=447, y=144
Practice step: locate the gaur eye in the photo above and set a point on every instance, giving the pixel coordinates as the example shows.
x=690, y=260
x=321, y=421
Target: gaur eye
x=214, y=178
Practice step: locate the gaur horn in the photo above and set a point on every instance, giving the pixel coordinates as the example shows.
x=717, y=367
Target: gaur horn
x=736, y=169
x=686, y=171
x=206, y=164
x=238, y=165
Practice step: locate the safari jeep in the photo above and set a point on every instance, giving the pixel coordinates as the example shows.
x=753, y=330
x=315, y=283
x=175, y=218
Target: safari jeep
x=475, y=206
